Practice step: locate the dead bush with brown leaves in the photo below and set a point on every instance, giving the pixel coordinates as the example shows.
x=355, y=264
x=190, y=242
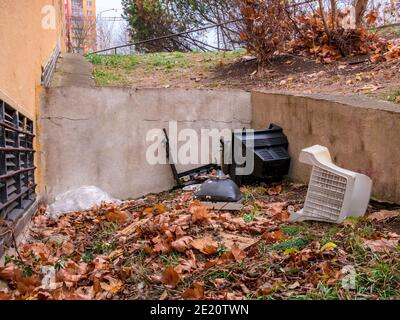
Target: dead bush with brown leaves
x=275, y=25
x=266, y=27
x=327, y=42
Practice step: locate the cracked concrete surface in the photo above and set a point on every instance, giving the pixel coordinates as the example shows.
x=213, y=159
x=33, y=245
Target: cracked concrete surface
x=73, y=70
x=108, y=149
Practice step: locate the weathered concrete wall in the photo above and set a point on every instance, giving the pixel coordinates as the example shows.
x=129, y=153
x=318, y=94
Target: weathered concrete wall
x=97, y=136
x=361, y=134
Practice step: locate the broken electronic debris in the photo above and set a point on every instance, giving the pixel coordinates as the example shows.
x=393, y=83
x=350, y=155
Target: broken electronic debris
x=271, y=157
x=190, y=177
x=333, y=193
x=220, y=193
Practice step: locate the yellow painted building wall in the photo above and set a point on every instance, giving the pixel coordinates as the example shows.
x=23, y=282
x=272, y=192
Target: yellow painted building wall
x=27, y=41
x=29, y=32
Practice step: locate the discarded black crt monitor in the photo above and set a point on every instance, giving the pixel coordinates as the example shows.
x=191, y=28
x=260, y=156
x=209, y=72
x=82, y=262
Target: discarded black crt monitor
x=219, y=188
x=271, y=157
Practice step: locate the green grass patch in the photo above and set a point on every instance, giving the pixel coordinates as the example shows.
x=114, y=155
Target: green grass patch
x=111, y=70
x=382, y=279
x=171, y=260
x=120, y=61
x=250, y=217
x=104, y=77
x=292, y=230
x=323, y=292
x=296, y=243
x=103, y=247
x=220, y=275
x=394, y=96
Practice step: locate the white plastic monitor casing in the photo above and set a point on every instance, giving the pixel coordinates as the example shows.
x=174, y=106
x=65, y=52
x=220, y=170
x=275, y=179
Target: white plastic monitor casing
x=333, y=193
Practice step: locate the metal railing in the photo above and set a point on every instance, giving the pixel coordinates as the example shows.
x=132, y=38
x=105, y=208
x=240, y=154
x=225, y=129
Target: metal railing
x=114, y=49
x=173, y=35
x=48, y=69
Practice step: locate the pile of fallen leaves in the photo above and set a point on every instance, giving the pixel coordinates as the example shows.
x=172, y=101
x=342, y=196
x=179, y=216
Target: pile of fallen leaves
x=389, y=53
x=168, y=246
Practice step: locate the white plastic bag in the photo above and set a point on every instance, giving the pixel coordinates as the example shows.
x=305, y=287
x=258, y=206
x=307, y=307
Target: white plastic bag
x=83, y=198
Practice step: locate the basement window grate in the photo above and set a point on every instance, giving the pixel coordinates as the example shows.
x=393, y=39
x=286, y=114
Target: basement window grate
x=17, y=169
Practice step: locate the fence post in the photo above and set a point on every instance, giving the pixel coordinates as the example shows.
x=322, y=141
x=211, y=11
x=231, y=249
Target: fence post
x=219, y=49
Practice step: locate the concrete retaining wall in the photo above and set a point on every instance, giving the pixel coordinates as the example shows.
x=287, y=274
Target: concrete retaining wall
x=362, y=134
x=97, y=136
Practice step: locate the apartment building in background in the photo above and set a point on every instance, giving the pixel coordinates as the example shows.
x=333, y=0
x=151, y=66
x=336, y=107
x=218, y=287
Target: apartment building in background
x=81, y=25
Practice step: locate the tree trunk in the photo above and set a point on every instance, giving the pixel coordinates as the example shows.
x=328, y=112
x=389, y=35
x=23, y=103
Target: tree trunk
x=321, y=10
x=334, y=14
x=360, y=6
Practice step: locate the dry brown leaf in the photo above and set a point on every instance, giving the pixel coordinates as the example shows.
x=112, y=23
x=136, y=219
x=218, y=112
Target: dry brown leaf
x=383, y=215
x=181, y=244
x=294, y=285
x=275, y=190
x=68, y=248
x=244, y=288
x=24, y=284
x=183, y=219
x=371, y=17
x=115, y=254
x=85, y=293
x=220, y=260
x=273, y=236
x=117, y=216
x=229, y=239
x=101, y=264
x=113, y=285
x=72, y=272
x=237, y=253
x=164, y=296
x=125, y=273
x=265, y=289
x=205, y=245
x=133, y=227
x=156, y=210
x=162, y=247
x=39, y=249
x=272, y=209
x=199, y=212
x=160, y=209
x=170, y=278
x=6, y=295
x=196, y=292
x=382, y=245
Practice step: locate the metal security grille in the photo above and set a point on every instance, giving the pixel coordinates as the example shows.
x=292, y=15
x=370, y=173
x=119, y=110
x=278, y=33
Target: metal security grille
x=17, y=180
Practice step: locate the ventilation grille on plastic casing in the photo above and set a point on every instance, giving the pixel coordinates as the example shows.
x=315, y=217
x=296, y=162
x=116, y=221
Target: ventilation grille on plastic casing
x=325, y=194
x=333, y=193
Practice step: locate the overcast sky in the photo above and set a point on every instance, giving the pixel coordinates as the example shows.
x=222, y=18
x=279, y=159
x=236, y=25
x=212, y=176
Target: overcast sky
x=109, y=4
